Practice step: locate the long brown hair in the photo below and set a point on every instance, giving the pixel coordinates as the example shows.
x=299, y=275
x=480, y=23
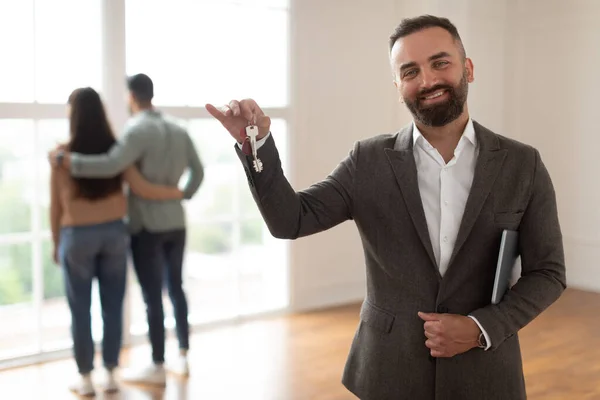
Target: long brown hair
x=91, y=134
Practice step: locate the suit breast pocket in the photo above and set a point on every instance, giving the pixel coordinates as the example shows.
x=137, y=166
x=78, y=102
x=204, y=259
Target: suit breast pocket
x=508, y=220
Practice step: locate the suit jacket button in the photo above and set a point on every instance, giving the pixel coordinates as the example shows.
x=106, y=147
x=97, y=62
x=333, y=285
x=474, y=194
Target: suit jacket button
x=442, y=310
x=431, y=358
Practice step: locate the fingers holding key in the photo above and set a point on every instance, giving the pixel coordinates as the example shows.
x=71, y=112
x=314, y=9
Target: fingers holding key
x=236, y=115
x=234, y=106
x=251, y=111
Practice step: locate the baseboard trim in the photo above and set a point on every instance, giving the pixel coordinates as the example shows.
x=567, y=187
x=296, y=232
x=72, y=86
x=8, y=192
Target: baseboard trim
x=326, y=296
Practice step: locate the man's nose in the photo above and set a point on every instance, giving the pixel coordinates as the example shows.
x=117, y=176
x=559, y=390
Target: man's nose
x=428, y=79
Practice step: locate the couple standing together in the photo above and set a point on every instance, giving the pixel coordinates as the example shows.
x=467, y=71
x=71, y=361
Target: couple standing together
x=89, y=204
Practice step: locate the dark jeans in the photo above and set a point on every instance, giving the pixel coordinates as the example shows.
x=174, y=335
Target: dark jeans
x=158, y=256
x=98, y=251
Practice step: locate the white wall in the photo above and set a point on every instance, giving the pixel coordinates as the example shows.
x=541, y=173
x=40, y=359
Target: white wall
x=532, y=83
x=555, y=105
x=342, y=91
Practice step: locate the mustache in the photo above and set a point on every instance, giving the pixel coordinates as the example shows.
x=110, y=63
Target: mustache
x=434, y=89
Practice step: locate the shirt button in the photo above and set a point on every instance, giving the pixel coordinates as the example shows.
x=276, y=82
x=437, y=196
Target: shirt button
x=445, y=239
x=446, y=202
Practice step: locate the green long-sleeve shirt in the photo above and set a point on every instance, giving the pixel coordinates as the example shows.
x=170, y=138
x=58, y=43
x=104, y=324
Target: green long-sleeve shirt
x=162, y=150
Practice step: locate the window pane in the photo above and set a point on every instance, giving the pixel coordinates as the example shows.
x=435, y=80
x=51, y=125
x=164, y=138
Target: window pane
x=16, y=278
x=209, y=279
x=16, y=48
x=16, y=175
x=16, y=310
x=197, y=57
x=210, y=238
x=253, y=232
x=210, y=273
x=216, y=149
x=212, y=141
x=216, y=195
x=53, y=278
x=49, y=134
x=68, y=48
x=56, y=318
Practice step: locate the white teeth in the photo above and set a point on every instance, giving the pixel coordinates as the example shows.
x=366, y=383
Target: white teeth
x=433, y=96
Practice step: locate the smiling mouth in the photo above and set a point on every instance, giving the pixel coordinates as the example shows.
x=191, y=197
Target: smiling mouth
x=434, y=95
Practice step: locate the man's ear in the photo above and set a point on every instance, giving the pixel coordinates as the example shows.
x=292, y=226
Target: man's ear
x=470, y=71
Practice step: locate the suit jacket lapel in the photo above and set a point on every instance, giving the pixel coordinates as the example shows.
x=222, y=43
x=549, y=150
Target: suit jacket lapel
x=403, y=164
x=489, y=163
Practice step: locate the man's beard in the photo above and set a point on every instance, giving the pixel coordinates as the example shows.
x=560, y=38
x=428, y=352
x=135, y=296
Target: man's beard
x=442, y=113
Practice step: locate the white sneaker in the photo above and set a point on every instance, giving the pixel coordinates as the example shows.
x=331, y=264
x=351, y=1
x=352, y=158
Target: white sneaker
x=179, y=366
x=83, y=386
x=111, y=385
x=152, y=375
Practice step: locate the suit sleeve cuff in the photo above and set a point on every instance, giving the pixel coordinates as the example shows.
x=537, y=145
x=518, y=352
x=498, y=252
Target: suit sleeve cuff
x=485, y=334
x=259, y=142
x=187, y=194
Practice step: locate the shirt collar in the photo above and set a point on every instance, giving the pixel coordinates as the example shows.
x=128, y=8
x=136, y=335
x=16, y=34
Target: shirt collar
x=468, y=133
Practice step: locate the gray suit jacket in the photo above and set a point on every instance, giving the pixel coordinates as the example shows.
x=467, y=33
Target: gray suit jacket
x=376, y=186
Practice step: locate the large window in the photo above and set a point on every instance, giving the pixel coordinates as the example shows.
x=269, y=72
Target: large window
x=194, y=53
x=232, y=267
x=47, y=51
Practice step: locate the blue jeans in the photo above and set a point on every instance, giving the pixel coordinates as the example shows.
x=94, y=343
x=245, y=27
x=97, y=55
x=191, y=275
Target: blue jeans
x=158, y=262
x=88, y=252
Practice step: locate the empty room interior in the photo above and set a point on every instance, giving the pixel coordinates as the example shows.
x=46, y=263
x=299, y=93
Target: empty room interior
x=316, y=289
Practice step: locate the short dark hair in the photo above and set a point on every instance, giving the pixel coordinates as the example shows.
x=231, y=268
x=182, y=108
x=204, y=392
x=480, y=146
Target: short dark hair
x=141, y=87
x=409, y=26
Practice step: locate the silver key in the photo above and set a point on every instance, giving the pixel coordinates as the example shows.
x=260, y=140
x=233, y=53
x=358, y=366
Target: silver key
x=252, y=132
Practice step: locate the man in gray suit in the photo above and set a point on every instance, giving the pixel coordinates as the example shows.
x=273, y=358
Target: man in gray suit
x=430, y=203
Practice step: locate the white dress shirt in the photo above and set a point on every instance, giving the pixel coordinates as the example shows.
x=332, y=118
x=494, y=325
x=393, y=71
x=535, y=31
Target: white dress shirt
x=444, y=190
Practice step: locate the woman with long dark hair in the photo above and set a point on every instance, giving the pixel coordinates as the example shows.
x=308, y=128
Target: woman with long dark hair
x=91, y=238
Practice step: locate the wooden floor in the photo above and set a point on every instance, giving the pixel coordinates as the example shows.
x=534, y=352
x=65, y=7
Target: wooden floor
x=301, y=358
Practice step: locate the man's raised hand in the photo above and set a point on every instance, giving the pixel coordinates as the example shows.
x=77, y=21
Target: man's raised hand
x=237, y=115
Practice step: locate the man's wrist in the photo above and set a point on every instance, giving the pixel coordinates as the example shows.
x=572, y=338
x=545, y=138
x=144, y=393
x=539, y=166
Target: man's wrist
x=483, y=339
x=259, y=143
x=476, y=333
